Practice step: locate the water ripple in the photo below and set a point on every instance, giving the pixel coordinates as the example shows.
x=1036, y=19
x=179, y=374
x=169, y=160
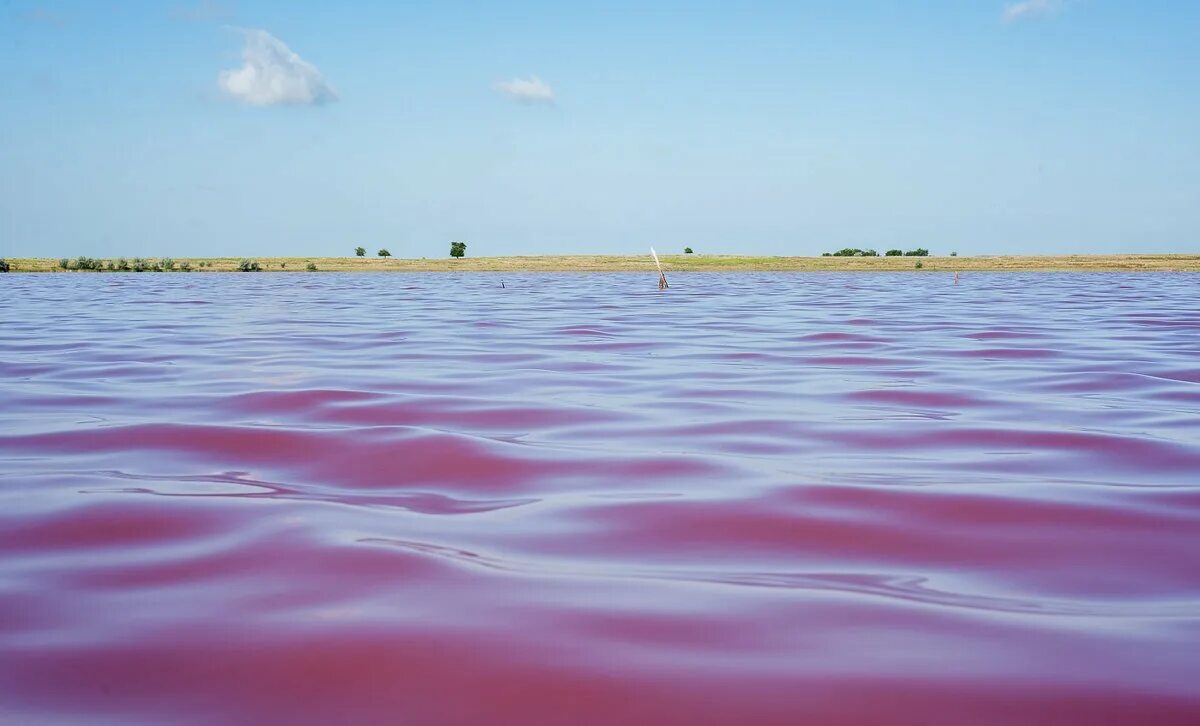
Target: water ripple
x=765, y=498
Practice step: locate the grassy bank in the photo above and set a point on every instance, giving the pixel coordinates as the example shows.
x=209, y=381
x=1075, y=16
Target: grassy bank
x=672, y=263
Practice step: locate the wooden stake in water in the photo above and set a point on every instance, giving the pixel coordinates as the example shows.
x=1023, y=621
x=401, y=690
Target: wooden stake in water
x=662, y=279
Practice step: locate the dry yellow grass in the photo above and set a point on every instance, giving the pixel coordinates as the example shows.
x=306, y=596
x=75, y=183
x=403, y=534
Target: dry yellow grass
x=677, y=263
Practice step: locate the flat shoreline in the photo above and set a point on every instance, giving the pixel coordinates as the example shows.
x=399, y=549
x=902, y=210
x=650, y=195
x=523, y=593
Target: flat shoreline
x=671, y=263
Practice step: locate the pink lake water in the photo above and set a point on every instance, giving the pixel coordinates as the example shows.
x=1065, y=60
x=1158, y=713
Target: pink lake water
x=751, y=498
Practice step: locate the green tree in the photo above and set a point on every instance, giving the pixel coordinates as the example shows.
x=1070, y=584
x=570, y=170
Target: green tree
x=458, y=249
x=312, y=266
x=687, y=250
x=894, y=253
x=3, y=265
x=384, y=253
x=360, y=251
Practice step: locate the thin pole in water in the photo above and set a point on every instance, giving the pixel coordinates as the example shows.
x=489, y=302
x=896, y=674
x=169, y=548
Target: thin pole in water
x=956, y=277
x=662, y=279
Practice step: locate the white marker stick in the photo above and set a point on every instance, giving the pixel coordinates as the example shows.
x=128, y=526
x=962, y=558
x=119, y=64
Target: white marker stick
x=662, y=279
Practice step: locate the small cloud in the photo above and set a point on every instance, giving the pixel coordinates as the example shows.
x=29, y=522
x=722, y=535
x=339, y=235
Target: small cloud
x=204, y=11
x=272, y=75
x=527, y=90
x=1026, y=9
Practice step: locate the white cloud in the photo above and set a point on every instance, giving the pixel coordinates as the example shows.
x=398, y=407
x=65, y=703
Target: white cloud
x=272, y=75
x=1029, y=8
x=527, y=90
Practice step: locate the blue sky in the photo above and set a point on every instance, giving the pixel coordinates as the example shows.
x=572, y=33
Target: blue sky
x=288, y=127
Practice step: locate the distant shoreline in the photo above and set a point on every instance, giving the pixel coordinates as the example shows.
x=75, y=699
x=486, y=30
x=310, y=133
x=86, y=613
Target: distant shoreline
x=671, y=263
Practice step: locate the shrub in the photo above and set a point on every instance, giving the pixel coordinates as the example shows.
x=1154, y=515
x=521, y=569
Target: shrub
x=312, y=267
x=85, y=263
x=360, y=251
x=919, y=265
x=919, y=252
x=687, y=250
x=283, y=265
x=167, y=263
x=3, y=265
x=185, y=266
x=64, y=263
x=248, y=266
x=110, y=266
x=954, y=254
x=894, y=253
x=851, y=252
x=122, y=264
x=384, y=253
x=458, y=249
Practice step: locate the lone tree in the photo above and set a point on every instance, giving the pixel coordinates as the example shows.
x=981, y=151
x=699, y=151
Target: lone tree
x=687, y=250
x=360, y=251
x=458, y=249
x=384, y=253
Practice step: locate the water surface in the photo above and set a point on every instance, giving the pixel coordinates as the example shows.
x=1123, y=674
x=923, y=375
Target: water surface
x=752, y=498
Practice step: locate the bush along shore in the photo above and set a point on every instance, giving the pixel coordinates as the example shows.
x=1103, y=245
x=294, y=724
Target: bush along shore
x=153, y=264
x=889, y=261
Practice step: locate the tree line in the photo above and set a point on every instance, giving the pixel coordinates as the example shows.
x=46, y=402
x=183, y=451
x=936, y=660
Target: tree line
x=856, y=252
x=457, y=249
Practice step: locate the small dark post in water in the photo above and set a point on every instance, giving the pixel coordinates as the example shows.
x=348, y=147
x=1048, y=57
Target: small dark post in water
x=662, y=279
x=502, y=284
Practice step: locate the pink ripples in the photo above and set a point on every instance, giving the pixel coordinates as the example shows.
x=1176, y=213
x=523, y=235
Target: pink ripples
x=576, y=499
